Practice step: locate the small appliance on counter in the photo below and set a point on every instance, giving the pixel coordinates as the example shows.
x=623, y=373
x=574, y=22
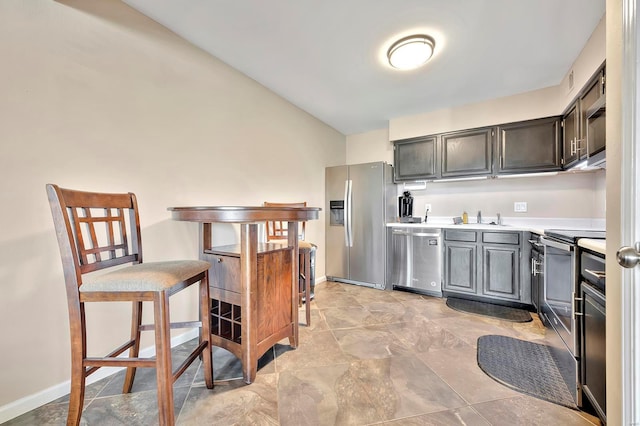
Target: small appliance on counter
x=405, y=209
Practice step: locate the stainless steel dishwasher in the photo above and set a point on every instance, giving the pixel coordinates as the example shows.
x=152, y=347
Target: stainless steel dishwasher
x=415, y=260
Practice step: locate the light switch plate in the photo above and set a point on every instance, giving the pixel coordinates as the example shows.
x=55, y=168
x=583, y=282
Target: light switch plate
x=520, y=206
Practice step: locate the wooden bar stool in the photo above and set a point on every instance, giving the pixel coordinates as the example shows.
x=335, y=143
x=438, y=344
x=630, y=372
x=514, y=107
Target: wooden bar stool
x=277, y=233
x=99, y=231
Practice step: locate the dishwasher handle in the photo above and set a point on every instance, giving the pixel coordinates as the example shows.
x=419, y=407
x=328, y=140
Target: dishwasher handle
x=425, y=234
x=415, y=234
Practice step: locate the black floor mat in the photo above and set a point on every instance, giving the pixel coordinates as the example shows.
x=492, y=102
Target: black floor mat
x=488, y=309
x=526, y=367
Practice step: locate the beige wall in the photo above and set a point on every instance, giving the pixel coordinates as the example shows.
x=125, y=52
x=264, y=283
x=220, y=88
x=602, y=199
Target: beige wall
x=590, y=58
x=563, y=196
x=369, y=147
x=96, y=96
x=536, y=104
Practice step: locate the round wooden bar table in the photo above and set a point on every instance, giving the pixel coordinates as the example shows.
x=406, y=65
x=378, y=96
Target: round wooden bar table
x=253, y=287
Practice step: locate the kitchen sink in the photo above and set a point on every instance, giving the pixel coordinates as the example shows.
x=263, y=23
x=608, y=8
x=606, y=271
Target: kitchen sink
x=482, y=226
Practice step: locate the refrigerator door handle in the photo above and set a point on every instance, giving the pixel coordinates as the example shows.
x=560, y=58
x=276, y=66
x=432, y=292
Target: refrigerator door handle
x=350, y=213
x=346, y=211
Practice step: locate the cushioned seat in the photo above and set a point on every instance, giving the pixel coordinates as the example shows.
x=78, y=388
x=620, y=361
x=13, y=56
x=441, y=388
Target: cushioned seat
x=152, y=276
x=301, y=244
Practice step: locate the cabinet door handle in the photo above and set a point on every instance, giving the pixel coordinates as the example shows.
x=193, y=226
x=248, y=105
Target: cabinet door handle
x=534, y=267
x=598, y=274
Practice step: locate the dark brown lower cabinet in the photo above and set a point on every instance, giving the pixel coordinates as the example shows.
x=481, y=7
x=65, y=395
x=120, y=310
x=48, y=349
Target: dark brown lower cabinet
x=460, y=270
x=501, y=272
x=485, y=265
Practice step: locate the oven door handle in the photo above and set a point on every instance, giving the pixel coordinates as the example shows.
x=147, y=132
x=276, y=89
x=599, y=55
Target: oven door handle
x=535, y=243
x=574, y=299
x=557, y=245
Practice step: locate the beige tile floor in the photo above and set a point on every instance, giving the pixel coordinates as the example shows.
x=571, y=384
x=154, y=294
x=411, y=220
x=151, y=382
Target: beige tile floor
x=369, y=357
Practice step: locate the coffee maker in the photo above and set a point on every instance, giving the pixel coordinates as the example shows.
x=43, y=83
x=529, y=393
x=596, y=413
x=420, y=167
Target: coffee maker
x=405, y=208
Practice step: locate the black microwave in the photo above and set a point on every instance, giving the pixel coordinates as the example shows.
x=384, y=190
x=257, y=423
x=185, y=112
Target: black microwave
x=596, y=132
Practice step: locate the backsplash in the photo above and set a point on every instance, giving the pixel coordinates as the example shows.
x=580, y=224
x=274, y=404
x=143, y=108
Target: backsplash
x=579, y=195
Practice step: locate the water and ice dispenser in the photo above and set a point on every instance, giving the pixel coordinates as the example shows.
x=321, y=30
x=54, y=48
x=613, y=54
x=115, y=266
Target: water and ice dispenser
x=336, y=213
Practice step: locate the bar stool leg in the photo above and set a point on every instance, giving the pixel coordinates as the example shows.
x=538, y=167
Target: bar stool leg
x=164, y=373
x=307, y=285
x=136, y=321
x=205, y=331
x=78, y=352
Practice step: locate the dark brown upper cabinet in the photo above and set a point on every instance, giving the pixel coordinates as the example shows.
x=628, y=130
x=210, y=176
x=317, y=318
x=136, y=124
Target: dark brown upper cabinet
x=584, y=122
x=592, y=114
x=529, y=146
x=467, y=152
x=416, y=158
x=571, y=135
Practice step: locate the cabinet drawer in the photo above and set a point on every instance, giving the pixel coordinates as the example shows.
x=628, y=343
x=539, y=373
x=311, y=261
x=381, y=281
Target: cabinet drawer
x=501, y=237
x=456, y=235
x=224, y=272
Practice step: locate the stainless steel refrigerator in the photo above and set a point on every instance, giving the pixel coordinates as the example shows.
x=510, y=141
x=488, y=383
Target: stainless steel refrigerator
x=360, y=198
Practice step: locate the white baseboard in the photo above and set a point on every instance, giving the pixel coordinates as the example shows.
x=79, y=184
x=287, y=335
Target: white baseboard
x=31, y=402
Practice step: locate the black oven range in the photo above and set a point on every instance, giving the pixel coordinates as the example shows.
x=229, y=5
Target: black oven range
x=561, y=300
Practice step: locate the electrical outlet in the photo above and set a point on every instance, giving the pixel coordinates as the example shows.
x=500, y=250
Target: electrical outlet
x=520, y=206
x=427, y=208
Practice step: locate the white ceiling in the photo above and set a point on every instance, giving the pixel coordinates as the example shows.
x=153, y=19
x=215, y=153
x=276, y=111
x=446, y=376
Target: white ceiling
x=327, y=56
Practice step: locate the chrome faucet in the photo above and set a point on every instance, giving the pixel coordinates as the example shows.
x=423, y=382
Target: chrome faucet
x=479, y=220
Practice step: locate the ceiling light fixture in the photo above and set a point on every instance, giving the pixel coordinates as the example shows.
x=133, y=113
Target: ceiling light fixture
x=411, y=52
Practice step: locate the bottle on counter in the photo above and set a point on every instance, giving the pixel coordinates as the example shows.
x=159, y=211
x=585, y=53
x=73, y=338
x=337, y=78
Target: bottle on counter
x=465, y=217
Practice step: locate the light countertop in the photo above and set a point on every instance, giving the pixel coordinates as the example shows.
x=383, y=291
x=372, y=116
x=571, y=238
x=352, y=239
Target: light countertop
x=469, y=226
x=515, y=224
x=599, y=246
